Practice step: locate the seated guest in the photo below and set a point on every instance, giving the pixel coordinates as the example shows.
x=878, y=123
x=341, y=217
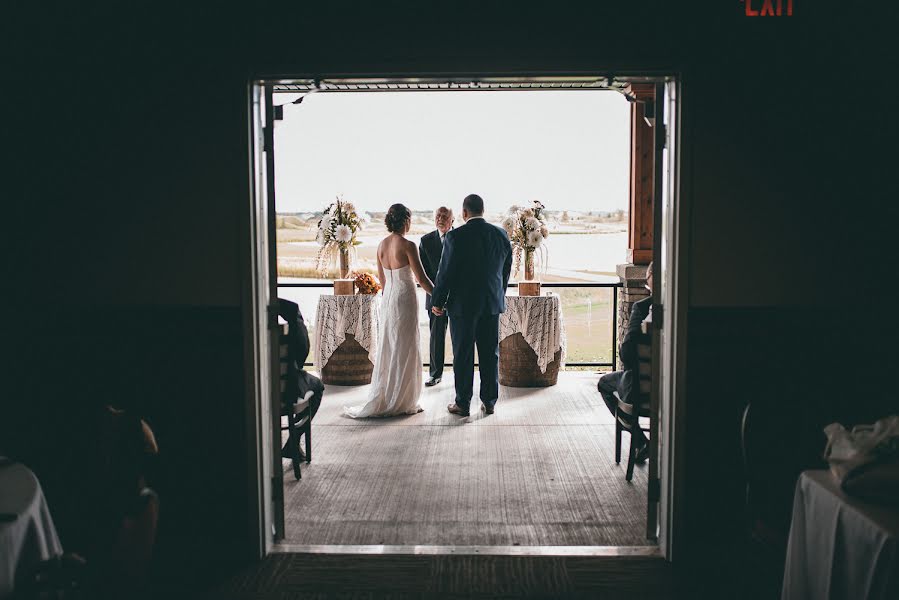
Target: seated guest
x=132, y=448
x=108, y=513
x=299, y=381
x=626, y=382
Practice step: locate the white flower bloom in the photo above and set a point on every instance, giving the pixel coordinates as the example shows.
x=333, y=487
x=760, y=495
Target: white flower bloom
x=535, y=239
x=527, y=212
x=320, y=237
x=532, y=223
x=509, y=224
x=544, y=231
x=326, y=223
x=348, y=207
x=343, y=233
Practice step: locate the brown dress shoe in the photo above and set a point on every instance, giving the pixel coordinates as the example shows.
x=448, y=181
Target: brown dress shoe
x=487, y=409
x=457, y=410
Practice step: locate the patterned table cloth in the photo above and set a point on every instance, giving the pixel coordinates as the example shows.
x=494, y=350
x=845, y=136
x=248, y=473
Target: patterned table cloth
x=339, y=315
x=539, y=320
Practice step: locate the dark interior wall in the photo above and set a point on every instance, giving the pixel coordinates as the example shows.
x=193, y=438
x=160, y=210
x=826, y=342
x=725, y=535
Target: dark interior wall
x=131, y=195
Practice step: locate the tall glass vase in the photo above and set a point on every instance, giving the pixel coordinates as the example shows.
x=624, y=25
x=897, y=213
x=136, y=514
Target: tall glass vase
x=344, y=270
x=529, y=265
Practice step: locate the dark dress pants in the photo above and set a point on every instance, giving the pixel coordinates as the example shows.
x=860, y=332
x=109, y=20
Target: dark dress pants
x=437, y=344
x=467, y=332
x=608, y=385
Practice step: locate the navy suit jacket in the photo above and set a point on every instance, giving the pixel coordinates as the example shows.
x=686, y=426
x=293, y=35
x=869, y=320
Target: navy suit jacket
x=474, y=270
x=430, y=249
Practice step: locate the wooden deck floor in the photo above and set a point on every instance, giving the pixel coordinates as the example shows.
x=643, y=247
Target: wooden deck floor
x=539, y=472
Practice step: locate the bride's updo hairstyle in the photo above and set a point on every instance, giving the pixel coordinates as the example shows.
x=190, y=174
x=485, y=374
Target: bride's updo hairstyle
x=398, y=218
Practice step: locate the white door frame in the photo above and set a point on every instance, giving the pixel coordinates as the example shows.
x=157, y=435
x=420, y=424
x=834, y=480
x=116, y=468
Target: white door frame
x=259, y=345
x=672, y=361
x=677, y=225
x=672, y=247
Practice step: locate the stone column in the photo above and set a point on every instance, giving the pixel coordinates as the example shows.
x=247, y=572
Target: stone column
x=633, y=289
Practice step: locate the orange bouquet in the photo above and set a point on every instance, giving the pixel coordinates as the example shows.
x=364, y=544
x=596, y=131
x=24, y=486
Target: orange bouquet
x=367, y=284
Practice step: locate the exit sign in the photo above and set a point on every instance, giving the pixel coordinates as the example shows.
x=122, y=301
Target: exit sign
x=768, y=8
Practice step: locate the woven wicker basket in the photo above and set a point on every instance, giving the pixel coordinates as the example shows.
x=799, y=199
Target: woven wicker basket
x=518, y=364
x=349, y=365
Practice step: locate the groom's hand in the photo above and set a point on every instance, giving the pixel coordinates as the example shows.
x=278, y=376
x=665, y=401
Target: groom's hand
x=437, y=311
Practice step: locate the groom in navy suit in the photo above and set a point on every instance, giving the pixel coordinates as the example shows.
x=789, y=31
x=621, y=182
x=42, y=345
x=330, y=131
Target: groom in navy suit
x=474, y=272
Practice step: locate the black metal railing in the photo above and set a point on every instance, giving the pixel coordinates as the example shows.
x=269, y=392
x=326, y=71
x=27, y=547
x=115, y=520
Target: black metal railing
x=328, y=284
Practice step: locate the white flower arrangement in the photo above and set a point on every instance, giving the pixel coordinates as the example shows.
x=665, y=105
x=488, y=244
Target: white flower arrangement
x=527, y=231
x=324, y=226
x=343, y=234
x=337, y=231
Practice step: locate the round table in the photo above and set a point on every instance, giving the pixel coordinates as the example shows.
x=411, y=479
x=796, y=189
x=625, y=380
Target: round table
x=27, y=534
x=840, y=546
x=346, y=332
x=532, y=341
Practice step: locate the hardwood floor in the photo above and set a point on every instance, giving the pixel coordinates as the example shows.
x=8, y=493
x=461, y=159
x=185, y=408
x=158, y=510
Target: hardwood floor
x=539, y=472
x=369, y=577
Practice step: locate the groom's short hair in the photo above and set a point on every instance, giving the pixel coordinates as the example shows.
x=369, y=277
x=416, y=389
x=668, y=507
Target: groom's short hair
x=474, y=204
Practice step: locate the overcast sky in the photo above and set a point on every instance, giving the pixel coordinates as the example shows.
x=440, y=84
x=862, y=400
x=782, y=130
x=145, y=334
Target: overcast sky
x=568, y=149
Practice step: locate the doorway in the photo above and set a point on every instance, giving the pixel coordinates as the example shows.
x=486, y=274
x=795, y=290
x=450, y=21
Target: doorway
x=532, y=483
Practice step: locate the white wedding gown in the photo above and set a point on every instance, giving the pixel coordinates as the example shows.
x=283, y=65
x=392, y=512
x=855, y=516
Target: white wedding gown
x=397, y=378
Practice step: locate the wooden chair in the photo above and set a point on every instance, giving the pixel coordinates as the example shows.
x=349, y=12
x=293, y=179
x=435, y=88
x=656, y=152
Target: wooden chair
x=627, y=416
x=296, y=413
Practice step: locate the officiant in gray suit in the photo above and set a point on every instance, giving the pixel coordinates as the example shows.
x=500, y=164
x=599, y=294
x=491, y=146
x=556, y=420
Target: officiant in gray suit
x=431, y=249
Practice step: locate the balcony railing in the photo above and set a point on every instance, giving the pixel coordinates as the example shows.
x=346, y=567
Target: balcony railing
x=586, y=341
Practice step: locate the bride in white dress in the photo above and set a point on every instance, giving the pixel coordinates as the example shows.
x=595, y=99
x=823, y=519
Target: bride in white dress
x=397, y=378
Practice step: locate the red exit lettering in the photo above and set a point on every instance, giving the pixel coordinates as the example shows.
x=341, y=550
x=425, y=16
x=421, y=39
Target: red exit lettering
x=769, y=8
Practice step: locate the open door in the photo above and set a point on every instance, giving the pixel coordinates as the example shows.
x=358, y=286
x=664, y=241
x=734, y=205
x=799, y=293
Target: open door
x=266, y=411
x=661, y=111
x=664, y=307
x=269, y=285
x=653, y=112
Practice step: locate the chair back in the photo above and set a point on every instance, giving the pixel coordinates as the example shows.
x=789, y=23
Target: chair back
x=628, y=414
x=644, y=366
x=287, y=368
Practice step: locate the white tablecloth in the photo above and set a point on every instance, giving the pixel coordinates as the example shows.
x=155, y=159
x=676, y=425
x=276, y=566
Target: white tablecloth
x=29, y=539
x=840, y=547
x=539, y=320
x=340, y=315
